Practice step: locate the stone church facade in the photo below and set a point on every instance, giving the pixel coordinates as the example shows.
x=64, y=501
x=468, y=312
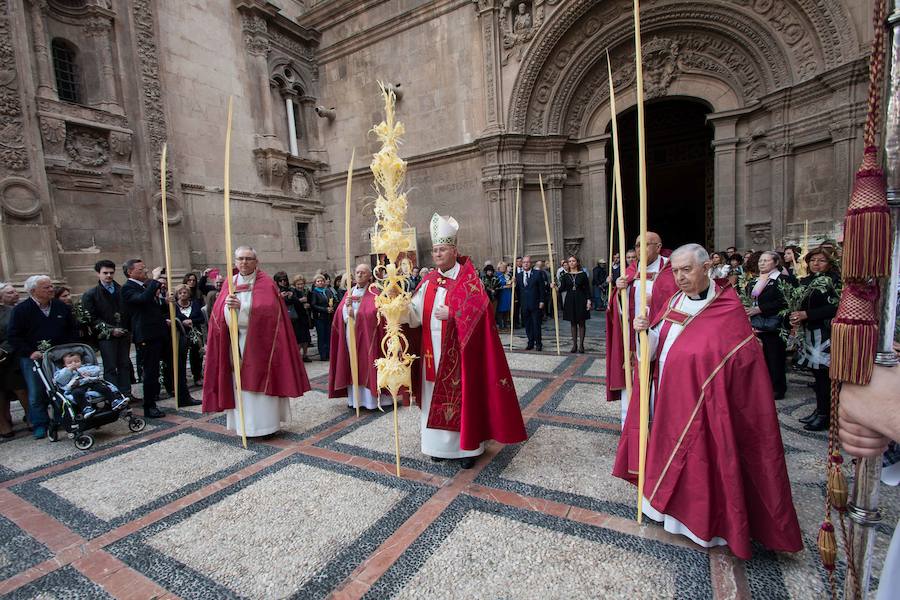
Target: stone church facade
x=754, y=116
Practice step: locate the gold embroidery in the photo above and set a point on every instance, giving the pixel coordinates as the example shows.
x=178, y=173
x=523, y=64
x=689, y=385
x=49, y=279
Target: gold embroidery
x=706, y=383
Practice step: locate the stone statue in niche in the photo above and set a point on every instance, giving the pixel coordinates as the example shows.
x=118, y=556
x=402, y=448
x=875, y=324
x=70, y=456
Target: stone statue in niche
x=519, y=21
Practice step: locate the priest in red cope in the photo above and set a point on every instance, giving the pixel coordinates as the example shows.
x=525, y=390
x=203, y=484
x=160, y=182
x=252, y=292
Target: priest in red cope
x=715, y=469
x=462, y=381
x=660, y=287
x=359, y=302
x=271, y=370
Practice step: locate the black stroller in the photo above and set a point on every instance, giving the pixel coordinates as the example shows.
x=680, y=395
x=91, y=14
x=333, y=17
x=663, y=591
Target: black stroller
x=65, y=414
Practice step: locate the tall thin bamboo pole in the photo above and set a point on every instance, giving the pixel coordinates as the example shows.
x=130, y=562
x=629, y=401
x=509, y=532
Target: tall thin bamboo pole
x=351, y=319
x=612, y=236
x=512, y=301
x=552, y=264
x=229, y=261
x=624, y=302
x=642, y=195
x=173, y=331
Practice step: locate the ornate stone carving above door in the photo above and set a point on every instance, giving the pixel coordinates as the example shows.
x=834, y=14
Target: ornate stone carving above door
x=87, y=147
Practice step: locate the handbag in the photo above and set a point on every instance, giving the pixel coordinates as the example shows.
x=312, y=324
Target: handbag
x=761, y=323
x=292, y=312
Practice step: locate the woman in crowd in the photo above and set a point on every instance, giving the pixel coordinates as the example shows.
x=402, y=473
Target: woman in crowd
x=189, y=312
x=304, y=323
x=575, y=285
x=491, y=284
x=736, y=262
x=504, y=296
x=192, y=282
x=292, y=300
x=792, y=255
x=720, y=267
x=322, y=301
x=768, y=302
x=12, y=384
x=817, y=309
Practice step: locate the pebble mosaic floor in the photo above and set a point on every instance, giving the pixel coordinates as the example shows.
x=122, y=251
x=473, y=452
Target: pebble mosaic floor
x=181, y=510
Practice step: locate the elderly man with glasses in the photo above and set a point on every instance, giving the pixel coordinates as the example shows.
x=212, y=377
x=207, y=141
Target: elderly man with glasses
x=271, y=370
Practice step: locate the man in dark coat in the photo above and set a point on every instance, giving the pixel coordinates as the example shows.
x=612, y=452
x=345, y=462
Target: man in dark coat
x=532, y=289
x=148, y=325
x=104, y=305
x=35, y=325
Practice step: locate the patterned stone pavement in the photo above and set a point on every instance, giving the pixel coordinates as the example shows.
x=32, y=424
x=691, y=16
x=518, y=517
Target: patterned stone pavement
x=181, y=510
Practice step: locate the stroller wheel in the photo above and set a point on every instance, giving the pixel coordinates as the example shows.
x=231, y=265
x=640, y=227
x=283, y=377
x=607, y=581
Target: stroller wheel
x=53, y=434
x=84, y=441
x=136, y=424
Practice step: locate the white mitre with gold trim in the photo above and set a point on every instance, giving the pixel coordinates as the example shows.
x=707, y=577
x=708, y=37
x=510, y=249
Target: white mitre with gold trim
x=443, y=230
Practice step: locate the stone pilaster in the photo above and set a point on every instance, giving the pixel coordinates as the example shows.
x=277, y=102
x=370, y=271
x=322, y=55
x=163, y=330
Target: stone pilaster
x=488, y=15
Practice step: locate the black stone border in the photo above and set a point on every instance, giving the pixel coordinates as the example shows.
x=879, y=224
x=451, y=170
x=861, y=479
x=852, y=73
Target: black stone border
x=189, y=584
x=551, y=407
x=690, y=582
x=90, y=526
x=492, y=475
x=159, y=425
x=21, y=550
x=64, y=583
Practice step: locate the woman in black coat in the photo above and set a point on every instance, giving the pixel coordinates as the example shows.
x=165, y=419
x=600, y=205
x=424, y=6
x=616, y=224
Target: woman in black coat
x=189, y=312
x=768, y=302
x=817, y=309
x=323, y=301
x=575, y=286
x=294, y=299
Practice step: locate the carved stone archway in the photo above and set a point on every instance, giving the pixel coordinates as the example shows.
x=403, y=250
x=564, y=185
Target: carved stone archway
x=740, y=57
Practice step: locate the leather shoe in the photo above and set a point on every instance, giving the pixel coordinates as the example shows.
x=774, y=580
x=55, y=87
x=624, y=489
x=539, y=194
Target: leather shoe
x=190, y=402
x=808, y=418
x=468, y=463
x=153, y=413
x=529, y=347
x=820, y=423
x=539, y=347
x=437, y=459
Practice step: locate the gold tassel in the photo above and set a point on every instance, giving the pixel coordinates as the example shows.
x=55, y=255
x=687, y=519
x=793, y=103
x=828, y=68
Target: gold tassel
x=854, y=335
x=827, y=545
x=837, y=482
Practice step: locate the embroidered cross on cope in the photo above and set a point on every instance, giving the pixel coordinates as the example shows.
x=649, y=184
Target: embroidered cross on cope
x=427, y=345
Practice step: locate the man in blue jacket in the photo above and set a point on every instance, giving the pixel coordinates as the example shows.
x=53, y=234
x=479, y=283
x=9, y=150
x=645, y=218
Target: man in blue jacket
x=39, y=322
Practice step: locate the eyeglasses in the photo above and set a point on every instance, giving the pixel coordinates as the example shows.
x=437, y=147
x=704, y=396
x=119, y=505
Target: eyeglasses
x=246, y=259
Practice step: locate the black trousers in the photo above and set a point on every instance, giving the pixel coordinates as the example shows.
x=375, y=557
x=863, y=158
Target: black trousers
x=775, y=352
x=323, y=337
x=533, y=318
x=823, y=391
x=116, y=364
x=151, y=351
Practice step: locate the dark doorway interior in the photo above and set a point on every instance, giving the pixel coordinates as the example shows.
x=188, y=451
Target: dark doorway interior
x=679, y=171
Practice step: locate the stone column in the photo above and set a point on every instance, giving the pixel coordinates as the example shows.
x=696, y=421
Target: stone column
x=99, y=28
x=292, y=127
x=595, y=200
x=46, y=81
x=308, y=125
x=490, y=47
x=257, y=42
x=842, y=136
x=725, y=192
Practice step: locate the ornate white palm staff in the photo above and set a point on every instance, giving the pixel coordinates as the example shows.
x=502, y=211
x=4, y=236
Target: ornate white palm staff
x=172, y=323
x=395, y=369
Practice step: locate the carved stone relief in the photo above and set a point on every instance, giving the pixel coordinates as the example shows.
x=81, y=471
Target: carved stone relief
x=519, y=22
x=87, y=147
x=271, y=166
x=154, y=117
x=173, y=208
x=760, y=234
x=792, y=39
x=20, y=197
x=300, y=185
x=13, y=152
x=120, y=144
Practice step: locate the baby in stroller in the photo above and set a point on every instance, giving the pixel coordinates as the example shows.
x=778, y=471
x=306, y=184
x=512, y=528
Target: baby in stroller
x=83, y=385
